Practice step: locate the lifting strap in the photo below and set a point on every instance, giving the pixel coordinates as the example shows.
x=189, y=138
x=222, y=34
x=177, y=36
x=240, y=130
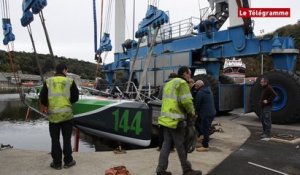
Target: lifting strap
x=133, y=64
x=35, y=7
x=41, y=15
x=106, y=31
x=13, y=67
x=148, y=59
x=99, y=60
x=8, y=41
x=35, y=54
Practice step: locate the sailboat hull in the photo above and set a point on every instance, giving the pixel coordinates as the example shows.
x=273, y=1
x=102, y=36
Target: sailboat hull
x=125, y=121
x=121, y=120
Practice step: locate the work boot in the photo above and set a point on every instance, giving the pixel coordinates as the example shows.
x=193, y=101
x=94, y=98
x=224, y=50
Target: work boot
x=68, y=165
x=202, y=149
x=198, y=145
x=164, y=173
x=193, y=172
x=54, y=166
x=263, y=136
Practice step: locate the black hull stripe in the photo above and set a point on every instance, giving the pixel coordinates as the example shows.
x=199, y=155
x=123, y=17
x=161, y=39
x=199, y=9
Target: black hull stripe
x=125, y=139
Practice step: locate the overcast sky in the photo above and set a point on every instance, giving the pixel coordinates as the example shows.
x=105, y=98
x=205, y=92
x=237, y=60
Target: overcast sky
x=70, y=23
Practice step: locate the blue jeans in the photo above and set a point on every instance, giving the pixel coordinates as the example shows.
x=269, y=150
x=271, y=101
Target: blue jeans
x=266, y=120
x=205, y=128
x=198, y=126
x=66, y=129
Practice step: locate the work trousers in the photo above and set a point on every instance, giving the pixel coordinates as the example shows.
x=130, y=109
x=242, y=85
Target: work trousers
x=161, y=138
x=266, y=120
x=206, y=122
x=177, y=137
x=66, y=129
x=203, y=127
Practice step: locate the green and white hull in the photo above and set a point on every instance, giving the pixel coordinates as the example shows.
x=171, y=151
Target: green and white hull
x=121, y=120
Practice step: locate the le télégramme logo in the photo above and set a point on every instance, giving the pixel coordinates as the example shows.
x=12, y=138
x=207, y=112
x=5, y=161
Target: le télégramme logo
x=264, y=12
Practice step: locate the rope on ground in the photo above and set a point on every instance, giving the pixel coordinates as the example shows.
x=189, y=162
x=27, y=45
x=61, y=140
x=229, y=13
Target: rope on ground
x=118, y=170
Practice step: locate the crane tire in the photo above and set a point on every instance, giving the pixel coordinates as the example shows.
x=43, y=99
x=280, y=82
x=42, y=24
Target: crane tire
x=286, y=108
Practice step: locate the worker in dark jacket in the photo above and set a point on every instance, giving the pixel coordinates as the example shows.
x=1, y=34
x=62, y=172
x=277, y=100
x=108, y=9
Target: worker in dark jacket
x=206, y=112
x=57, y=95
x=267, y=96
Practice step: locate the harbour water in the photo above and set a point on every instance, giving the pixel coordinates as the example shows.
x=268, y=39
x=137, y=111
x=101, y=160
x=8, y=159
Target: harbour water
x=34, y=134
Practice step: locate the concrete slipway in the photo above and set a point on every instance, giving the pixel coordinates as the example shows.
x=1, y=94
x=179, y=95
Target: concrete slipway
x=138, y=162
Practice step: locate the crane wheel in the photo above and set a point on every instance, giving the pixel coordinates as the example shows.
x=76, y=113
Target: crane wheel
x=286, y=108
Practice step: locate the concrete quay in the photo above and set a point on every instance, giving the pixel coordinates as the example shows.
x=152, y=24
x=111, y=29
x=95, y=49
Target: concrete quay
x=138, y=162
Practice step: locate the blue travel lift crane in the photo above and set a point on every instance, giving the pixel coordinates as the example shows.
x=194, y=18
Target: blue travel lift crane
x=31, y=8
x=178, y=45
x=8, y=40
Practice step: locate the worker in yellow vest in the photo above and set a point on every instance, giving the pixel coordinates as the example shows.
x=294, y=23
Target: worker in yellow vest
x=177, y=105
x=58, y=94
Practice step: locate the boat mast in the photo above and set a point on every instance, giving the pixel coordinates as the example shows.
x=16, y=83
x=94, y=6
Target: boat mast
x=133, y=20
x=120, y=14
x=101, y=24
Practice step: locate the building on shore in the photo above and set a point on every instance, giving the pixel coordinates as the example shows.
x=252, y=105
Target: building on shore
x=3, y=79
x=75, y=77
x=8, y=78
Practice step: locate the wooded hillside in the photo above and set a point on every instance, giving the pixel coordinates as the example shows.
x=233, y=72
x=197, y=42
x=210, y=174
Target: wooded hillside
x=26, y=63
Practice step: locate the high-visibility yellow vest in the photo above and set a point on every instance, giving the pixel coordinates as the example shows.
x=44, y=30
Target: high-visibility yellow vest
x=59, y=105
x=177, y=103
